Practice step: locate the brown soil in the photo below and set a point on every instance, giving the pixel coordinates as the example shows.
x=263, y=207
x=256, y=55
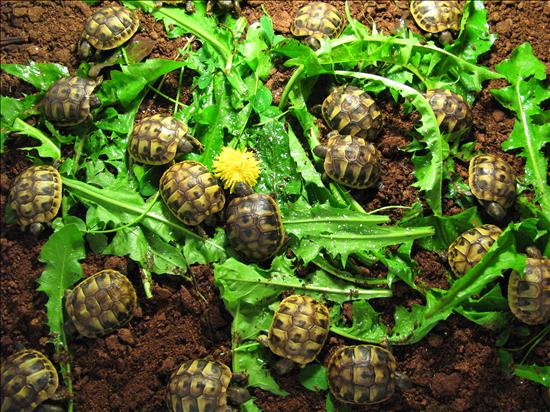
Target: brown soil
x=455, y=368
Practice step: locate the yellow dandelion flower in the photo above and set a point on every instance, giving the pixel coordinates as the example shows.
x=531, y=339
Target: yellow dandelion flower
x=234, y=166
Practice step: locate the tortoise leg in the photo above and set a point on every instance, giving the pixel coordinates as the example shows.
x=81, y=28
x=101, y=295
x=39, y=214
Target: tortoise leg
x=190, y=6
x=320, y=151
x=237, y=7
x=195, y=142
x=238, y=395
x=209, y=7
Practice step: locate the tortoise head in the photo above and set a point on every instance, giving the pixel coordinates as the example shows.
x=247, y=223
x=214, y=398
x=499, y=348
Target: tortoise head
x=446, y=37
x=312, y=42
x=403, y=381
x=36, y=228
x=533, y=252
x=320, y=151
x=242, y=189
x=495, y=210
x=85, y=50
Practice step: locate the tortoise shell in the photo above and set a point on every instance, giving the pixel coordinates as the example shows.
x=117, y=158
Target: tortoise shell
x=28, y=379
x=101, y=303
x=110, y=27
x=351, y=111
x=199, y=385
x=254, y=226
x=318, y=19
x=436, y=16
x=450, y=109
x=35, y=195
x=529, y=297
x=492, y=179
x=362, y=374
x=470, y=247
x=191, y=192
x=69, y=100
x=156, y=139
x=299, y=329
x=352, y=161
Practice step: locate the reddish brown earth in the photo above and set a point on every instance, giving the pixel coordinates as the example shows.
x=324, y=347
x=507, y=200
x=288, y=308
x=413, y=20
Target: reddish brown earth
x=456, y=368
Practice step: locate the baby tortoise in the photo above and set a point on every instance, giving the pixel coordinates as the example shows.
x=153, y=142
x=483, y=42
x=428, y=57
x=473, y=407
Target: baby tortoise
x=158, y=139
x=450, y=109
x=351, y=111
x=437, y=17
x=350, y=160
x=28, y=379
x=35, y=197
x=254, y=225
x=364, y=374
x=529, y=296
x=470, y=247
x=69, y=100
x=298, y=331
x=200, y=385
x=189, y=4
x=191, y=192
x=223, y=5
x=106, y=29
x=492, y=182
x=101, y=303
x=317, y=20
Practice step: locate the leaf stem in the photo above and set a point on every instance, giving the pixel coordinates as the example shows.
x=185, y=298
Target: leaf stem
x=327, y=267
x=366, y=219
x=364, y=293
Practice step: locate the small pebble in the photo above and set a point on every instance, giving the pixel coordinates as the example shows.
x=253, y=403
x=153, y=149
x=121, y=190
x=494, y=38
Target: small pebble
x=499, y=115
x=435, y=341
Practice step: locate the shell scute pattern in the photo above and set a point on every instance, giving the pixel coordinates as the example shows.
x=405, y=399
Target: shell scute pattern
x=318, y=19
x=436, y=16
x=155, y=139
x=451, y=110
x=67, y=101
x=352, y=161
x=492, y=179
x=351, y=111
x=36, y=195
x=28, y=379
x=299, y=329
x=110, y=27
x=101, y=303
x=199, y=385
x=191, y=192
x=529, y=297
x=254, y=226
x=362, y=374
x=470, y=247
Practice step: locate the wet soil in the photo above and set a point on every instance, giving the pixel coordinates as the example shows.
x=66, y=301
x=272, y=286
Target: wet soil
x=455, y=368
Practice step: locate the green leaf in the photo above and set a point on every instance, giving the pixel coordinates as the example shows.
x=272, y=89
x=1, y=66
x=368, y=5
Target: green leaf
x=61, y=254
x=342, y=232
x=525, y=95
x=40, y=75
x=47, y=148
x=314, y=377
x=535, y=373
x=475, y=37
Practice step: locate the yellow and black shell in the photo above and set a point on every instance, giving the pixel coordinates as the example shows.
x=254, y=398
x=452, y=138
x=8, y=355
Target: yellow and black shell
x=35, y=196
x=299, y=329
x=254, y=226
x=110, y=27
x=436, y=16
x=28, y=379
x=199, y=385
x=352, y=161
x=155, y=139
x=319, y=20
x=362, y=374
x=69, y=100
x=101, y=303
x=529, y=297
x=470, y=247
x=450, y=109
x=492, y=182
x=191, y=192
x=351, y=111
